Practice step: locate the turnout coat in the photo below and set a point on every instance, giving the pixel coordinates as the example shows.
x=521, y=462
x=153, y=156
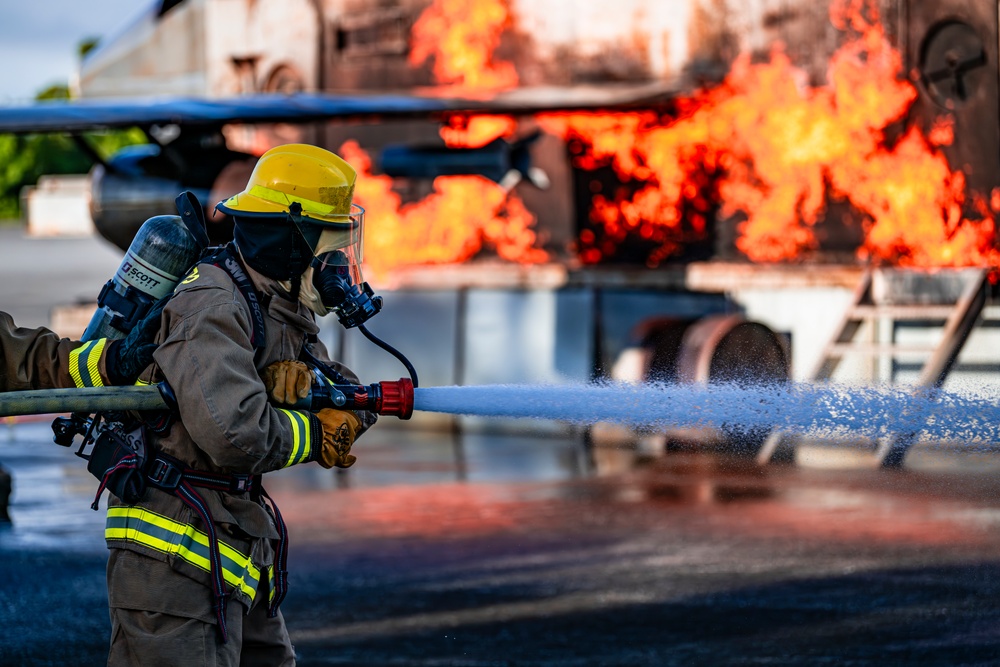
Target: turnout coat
x=226, y=425
x=40, y=359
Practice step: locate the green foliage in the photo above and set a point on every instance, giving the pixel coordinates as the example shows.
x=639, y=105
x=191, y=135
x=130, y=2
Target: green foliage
x=86, y=46
x=55, y=92
x=24, y=158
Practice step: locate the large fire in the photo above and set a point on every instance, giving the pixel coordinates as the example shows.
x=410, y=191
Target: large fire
x=460, y=37
x=450, y=225
x=776, y=151
x=763, y=147
x=464, y=213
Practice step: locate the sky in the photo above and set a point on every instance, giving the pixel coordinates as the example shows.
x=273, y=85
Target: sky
x=39, y=39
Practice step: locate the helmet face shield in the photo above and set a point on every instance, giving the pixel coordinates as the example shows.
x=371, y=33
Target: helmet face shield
x=336, y=268
x=337, y=246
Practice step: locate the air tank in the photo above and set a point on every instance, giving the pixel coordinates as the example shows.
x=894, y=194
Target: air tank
x=160, y=254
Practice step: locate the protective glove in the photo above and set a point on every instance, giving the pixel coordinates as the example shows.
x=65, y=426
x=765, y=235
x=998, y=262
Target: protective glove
x=287, y=381
x=339, y=427
x=126, y=358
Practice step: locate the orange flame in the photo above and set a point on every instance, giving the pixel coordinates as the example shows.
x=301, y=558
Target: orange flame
x=774, y=151
x=476, y=131
x=452, y=224
x=763, y=148
x=463, y=214
x=460, y=36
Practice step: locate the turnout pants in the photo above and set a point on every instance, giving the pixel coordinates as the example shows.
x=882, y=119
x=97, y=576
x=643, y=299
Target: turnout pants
x=160, y=618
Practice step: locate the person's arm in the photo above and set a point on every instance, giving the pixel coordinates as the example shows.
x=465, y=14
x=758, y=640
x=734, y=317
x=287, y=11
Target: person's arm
x=287, y=382
x=40, y=359
x=318, y=349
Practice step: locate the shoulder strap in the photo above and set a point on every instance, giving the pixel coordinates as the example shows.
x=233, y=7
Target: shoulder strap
x=193, y=216
x=228, y=260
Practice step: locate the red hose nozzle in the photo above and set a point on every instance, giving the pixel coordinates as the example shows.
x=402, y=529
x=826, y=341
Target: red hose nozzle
x=397, y=398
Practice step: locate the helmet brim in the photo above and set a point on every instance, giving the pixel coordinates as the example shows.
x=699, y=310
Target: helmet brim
x=249, y=206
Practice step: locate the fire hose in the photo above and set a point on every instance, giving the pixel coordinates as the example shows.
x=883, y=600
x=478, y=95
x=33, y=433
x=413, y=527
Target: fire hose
x=389, y=398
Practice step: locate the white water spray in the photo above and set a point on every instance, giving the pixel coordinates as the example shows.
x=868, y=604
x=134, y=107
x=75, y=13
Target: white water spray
x=819, y=410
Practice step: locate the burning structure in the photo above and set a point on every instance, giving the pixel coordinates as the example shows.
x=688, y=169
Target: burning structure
x=784, y=148
x=776, y=122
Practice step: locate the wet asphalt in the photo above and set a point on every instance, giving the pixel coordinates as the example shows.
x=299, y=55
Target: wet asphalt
x=517, y=550
x=526, y=550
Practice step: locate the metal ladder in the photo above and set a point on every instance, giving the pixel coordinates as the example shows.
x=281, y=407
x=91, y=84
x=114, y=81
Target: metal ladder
x=958, y=320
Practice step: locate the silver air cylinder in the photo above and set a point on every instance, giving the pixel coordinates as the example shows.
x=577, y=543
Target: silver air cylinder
x=160, y=254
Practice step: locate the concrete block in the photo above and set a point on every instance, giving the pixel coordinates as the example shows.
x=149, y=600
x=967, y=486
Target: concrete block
x=58, y=206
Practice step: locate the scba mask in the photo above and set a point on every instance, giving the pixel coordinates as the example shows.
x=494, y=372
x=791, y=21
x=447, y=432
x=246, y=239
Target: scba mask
x=334, y=282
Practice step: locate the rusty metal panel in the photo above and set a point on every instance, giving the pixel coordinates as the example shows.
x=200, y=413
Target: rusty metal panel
x=564, y=42
x=951, y=50
x=372, y=33
x=366, y=44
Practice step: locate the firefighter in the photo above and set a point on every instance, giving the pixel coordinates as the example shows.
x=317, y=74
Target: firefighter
x=196, y=570
x=40, y=359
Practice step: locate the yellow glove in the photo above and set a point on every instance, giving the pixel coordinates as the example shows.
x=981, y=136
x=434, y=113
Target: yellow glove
x=287, y=381
x=339, y=428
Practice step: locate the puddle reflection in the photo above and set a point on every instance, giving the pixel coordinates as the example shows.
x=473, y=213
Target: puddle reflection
x=392, y=457
x=446, y=472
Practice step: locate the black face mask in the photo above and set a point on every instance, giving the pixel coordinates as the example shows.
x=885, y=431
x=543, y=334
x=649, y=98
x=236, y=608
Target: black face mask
x=274, y=246
x=354, y=304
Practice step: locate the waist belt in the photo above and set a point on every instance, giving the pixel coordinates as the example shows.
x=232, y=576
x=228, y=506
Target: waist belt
x=171, y=476
x=167, y=474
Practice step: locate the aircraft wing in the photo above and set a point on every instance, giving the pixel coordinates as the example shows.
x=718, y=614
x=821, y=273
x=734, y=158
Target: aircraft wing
x=88, y=115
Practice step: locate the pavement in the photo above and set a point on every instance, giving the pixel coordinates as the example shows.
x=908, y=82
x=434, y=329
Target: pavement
x=428, y=552
x=480, y=549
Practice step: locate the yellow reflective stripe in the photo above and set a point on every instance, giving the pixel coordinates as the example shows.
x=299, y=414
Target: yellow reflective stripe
x=142, y=526
x=301, y=437
x=84, y=364
x=74, y=366
x=93, y=362
x=296, y=436
x=308, y=205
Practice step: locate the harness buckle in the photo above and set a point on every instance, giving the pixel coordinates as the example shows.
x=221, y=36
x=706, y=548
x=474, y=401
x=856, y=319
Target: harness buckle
x=242, y=483
x=164, y=474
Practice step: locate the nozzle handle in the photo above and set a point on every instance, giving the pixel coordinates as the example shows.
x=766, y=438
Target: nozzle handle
x=390, y=398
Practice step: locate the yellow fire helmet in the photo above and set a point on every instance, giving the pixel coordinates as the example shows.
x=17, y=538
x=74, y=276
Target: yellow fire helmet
x=312, y=188
x=321, y=183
